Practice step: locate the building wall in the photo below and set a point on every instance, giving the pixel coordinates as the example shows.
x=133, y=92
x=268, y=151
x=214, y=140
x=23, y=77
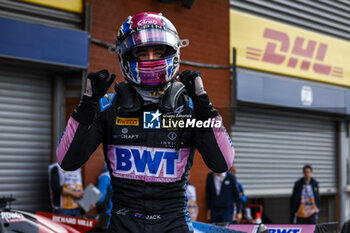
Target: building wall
x=325, y=19
x=206, y=25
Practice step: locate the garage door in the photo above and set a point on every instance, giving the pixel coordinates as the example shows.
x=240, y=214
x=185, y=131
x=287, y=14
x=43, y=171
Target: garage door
x=25, y=139
x=273, y=146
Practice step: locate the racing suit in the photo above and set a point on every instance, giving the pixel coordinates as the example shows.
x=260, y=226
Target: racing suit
x=148, y=159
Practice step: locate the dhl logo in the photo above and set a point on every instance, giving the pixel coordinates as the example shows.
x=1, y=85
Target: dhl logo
x=308, y=53
x=127, y=121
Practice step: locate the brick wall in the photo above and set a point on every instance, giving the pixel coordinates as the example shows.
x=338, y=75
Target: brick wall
x=206, y=25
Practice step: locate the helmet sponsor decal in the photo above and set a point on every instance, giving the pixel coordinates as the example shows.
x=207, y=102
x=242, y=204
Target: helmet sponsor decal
x=147, y=21
x=148, y=29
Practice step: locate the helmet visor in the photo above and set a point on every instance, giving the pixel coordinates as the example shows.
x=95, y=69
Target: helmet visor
x=146, y=37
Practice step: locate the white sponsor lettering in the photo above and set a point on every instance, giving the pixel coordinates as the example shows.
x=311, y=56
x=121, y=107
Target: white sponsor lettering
x=187, y=123
x=62, y=219
x=84, y=222
x=280, y=230
x=122, y=211
x=125, y=136
x=152, y=217
x=147, y=21
x=190, y=123
x=12, y=217
x=72, y=221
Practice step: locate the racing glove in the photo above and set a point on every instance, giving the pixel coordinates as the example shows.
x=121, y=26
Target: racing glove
x=195, y=89
x=193, y=82
x=97, y=85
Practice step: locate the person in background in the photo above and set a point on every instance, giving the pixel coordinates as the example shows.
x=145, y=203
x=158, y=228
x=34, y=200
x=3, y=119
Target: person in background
x=306, y=199
x=345, y=228
x=238, y=217
x=65, y=188
x=104, y=205
x=222, y=194
x=192, y=205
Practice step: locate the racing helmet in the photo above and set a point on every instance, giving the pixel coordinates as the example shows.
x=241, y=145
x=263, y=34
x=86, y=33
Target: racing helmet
x=148, y=29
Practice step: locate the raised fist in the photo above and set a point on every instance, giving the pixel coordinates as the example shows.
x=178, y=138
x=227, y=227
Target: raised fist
x=193, y=82
x=98, y=84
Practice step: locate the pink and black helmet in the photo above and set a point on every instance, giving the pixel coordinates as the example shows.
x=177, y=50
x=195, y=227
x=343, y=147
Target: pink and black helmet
x=149, y=29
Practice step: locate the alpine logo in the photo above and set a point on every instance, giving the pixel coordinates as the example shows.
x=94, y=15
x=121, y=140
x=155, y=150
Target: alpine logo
x=178, y=111
x=147, y=21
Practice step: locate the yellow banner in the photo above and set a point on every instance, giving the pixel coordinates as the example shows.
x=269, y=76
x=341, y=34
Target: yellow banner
x=278, y=48
x=68, y=5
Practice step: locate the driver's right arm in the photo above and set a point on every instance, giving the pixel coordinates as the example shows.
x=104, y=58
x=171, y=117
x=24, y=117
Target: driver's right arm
x=83, y=132
x=80, y=138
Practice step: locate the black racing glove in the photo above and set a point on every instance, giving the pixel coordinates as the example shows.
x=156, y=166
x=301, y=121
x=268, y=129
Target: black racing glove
x=193, y=82
x=97, y=85
x=195, y=89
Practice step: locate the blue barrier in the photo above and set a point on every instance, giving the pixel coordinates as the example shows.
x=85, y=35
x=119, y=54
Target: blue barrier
x=200, y=227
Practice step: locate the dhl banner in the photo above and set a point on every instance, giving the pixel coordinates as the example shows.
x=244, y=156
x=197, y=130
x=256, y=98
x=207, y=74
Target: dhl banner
x=278, y=48
x=68, y=5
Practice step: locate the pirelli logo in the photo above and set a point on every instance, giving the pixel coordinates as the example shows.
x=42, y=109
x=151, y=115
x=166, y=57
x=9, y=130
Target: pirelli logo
x=127, y=121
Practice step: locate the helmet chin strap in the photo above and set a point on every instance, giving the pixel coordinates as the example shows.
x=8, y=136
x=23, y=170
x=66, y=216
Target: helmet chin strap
x=151, y=95
x=159, y=91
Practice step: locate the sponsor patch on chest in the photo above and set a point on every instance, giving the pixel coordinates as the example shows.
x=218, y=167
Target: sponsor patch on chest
x=127, y=121
x=148, y=163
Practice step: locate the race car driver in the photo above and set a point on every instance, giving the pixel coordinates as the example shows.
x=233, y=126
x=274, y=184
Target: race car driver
x=148, y=151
